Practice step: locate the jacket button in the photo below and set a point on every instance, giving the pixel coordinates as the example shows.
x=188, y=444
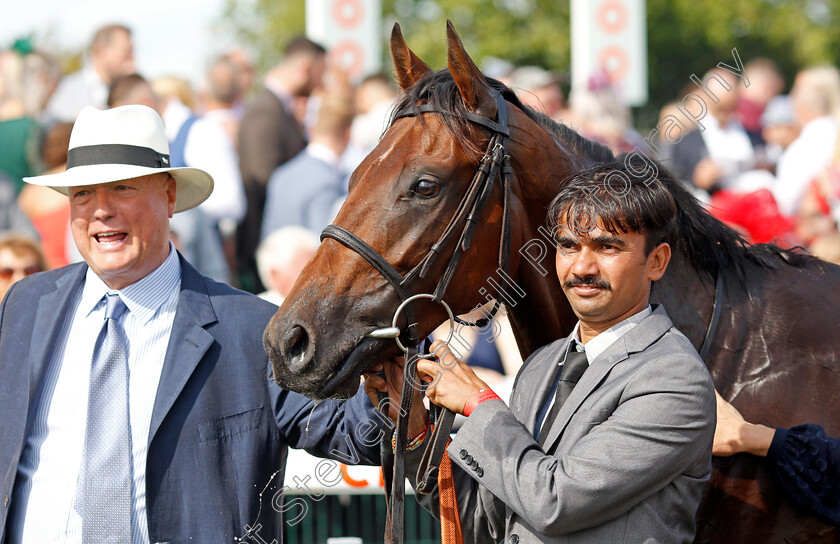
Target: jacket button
x=463, y=454
x=479, y=471
x=514, y=539
x=468, y=459
x=474, y=464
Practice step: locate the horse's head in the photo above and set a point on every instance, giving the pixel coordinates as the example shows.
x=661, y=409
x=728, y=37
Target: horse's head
x=401, y=199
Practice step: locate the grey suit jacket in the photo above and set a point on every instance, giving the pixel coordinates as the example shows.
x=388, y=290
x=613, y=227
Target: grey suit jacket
x=626, y=459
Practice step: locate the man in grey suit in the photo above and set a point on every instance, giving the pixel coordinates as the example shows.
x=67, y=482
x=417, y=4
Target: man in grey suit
x=609, y=431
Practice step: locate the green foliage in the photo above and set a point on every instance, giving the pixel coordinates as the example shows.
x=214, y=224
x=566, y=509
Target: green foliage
x=684, y=36
x=265, y=25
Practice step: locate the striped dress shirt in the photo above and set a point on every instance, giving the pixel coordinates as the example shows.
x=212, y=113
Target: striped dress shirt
x=45, y=488
x=593, y=348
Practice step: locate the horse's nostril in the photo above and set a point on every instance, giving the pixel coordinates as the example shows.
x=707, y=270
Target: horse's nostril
x=297, y=341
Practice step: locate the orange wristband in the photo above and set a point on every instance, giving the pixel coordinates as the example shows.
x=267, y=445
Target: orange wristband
x=478, y=398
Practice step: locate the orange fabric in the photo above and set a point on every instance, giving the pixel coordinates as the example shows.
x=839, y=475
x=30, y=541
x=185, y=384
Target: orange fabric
x=450, y=520
x=53, y=226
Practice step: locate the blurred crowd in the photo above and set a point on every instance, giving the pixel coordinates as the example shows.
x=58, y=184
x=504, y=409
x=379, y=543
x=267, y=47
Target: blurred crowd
x=281, y=145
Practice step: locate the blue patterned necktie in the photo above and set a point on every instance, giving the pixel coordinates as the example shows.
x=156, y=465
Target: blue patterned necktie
x=104, y=491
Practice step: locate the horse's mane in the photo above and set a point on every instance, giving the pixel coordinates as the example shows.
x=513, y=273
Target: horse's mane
x=707, y=243
x=439, y=90
x=710, y=245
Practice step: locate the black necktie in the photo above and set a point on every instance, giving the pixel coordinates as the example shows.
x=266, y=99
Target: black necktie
x=571, y=371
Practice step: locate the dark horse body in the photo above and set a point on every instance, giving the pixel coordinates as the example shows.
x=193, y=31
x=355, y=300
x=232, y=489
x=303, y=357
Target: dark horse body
x=774, y=354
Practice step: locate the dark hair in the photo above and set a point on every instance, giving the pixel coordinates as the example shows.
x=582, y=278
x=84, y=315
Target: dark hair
x=626, y=195
x=301, y=45
x=222, y=83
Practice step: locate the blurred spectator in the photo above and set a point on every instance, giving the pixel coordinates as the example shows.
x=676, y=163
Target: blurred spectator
x=374, y=100
x=222, y=94
x=766, y=81
x=779, y=128
x=11, y=216
x=177, y=102
x=41, y=75
x=245, y=74
x=49, y=210
x=111, y=55
x=20, y=134
x=270, y=135
x=193, y=235
x=203, y=142
x=816, y=102
x=827, y=247
x=280, y=259
x=539, y=89
x=713, y=158
x=663, y=147
x=601, y=116
x=131, y=89
x=498, y=69
x=818, y=215
x=20, y=256
x=308, y=189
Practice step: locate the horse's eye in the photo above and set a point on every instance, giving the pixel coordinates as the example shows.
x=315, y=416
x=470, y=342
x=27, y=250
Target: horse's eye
x=426, y=188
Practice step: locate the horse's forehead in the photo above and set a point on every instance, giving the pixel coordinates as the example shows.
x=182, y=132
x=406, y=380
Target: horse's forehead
x=408, y=143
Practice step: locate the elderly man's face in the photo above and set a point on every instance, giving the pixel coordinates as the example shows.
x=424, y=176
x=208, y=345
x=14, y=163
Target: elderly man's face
x=122, y=228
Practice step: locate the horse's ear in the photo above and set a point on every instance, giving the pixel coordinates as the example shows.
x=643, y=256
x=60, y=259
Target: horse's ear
x=477, y=94
x=408, y=66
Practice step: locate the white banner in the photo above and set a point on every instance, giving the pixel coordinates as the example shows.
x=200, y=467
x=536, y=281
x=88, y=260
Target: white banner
x=610, y=37
x=351, y=30
x=310, y=475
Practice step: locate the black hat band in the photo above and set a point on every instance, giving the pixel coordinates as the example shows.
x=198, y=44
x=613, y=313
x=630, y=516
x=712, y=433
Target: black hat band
x=116, y=154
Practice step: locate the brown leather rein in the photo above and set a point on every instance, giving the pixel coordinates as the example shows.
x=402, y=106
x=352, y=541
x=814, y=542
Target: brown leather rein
x=495, y=163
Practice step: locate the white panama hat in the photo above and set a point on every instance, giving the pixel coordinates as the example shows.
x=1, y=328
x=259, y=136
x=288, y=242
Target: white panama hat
x=123, y=143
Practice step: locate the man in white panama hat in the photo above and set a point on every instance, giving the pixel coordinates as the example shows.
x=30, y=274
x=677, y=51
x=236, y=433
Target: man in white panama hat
x=137, y=401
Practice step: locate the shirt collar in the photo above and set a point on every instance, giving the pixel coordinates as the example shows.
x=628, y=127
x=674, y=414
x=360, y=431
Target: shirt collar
x=324, y=153
x=283, y=95
x=143, y=298
x=600, y=343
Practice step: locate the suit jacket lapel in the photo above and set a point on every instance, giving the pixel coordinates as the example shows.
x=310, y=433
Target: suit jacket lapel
x=636, y=340
x=49, y=317
x=543, y=374
x=188, y=342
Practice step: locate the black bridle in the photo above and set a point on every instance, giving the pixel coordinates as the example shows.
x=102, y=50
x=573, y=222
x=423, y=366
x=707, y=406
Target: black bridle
x=495, y=163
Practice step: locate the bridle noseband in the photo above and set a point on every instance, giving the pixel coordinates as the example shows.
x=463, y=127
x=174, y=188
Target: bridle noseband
x=495, y=163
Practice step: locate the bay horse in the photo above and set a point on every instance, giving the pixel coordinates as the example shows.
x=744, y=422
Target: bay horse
x=773, y=354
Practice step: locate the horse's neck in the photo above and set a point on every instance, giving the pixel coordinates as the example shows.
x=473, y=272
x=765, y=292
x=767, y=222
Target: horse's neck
x=687, y=297
x=541, y=164
x=544, y=314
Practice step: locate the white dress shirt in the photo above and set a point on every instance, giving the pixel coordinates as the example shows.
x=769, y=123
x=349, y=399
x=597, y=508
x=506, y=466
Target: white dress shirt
x=74, y=92
x=210, y=148
x=730, y=148
x=596, y=346
x=45, y=491
x=803, y=159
